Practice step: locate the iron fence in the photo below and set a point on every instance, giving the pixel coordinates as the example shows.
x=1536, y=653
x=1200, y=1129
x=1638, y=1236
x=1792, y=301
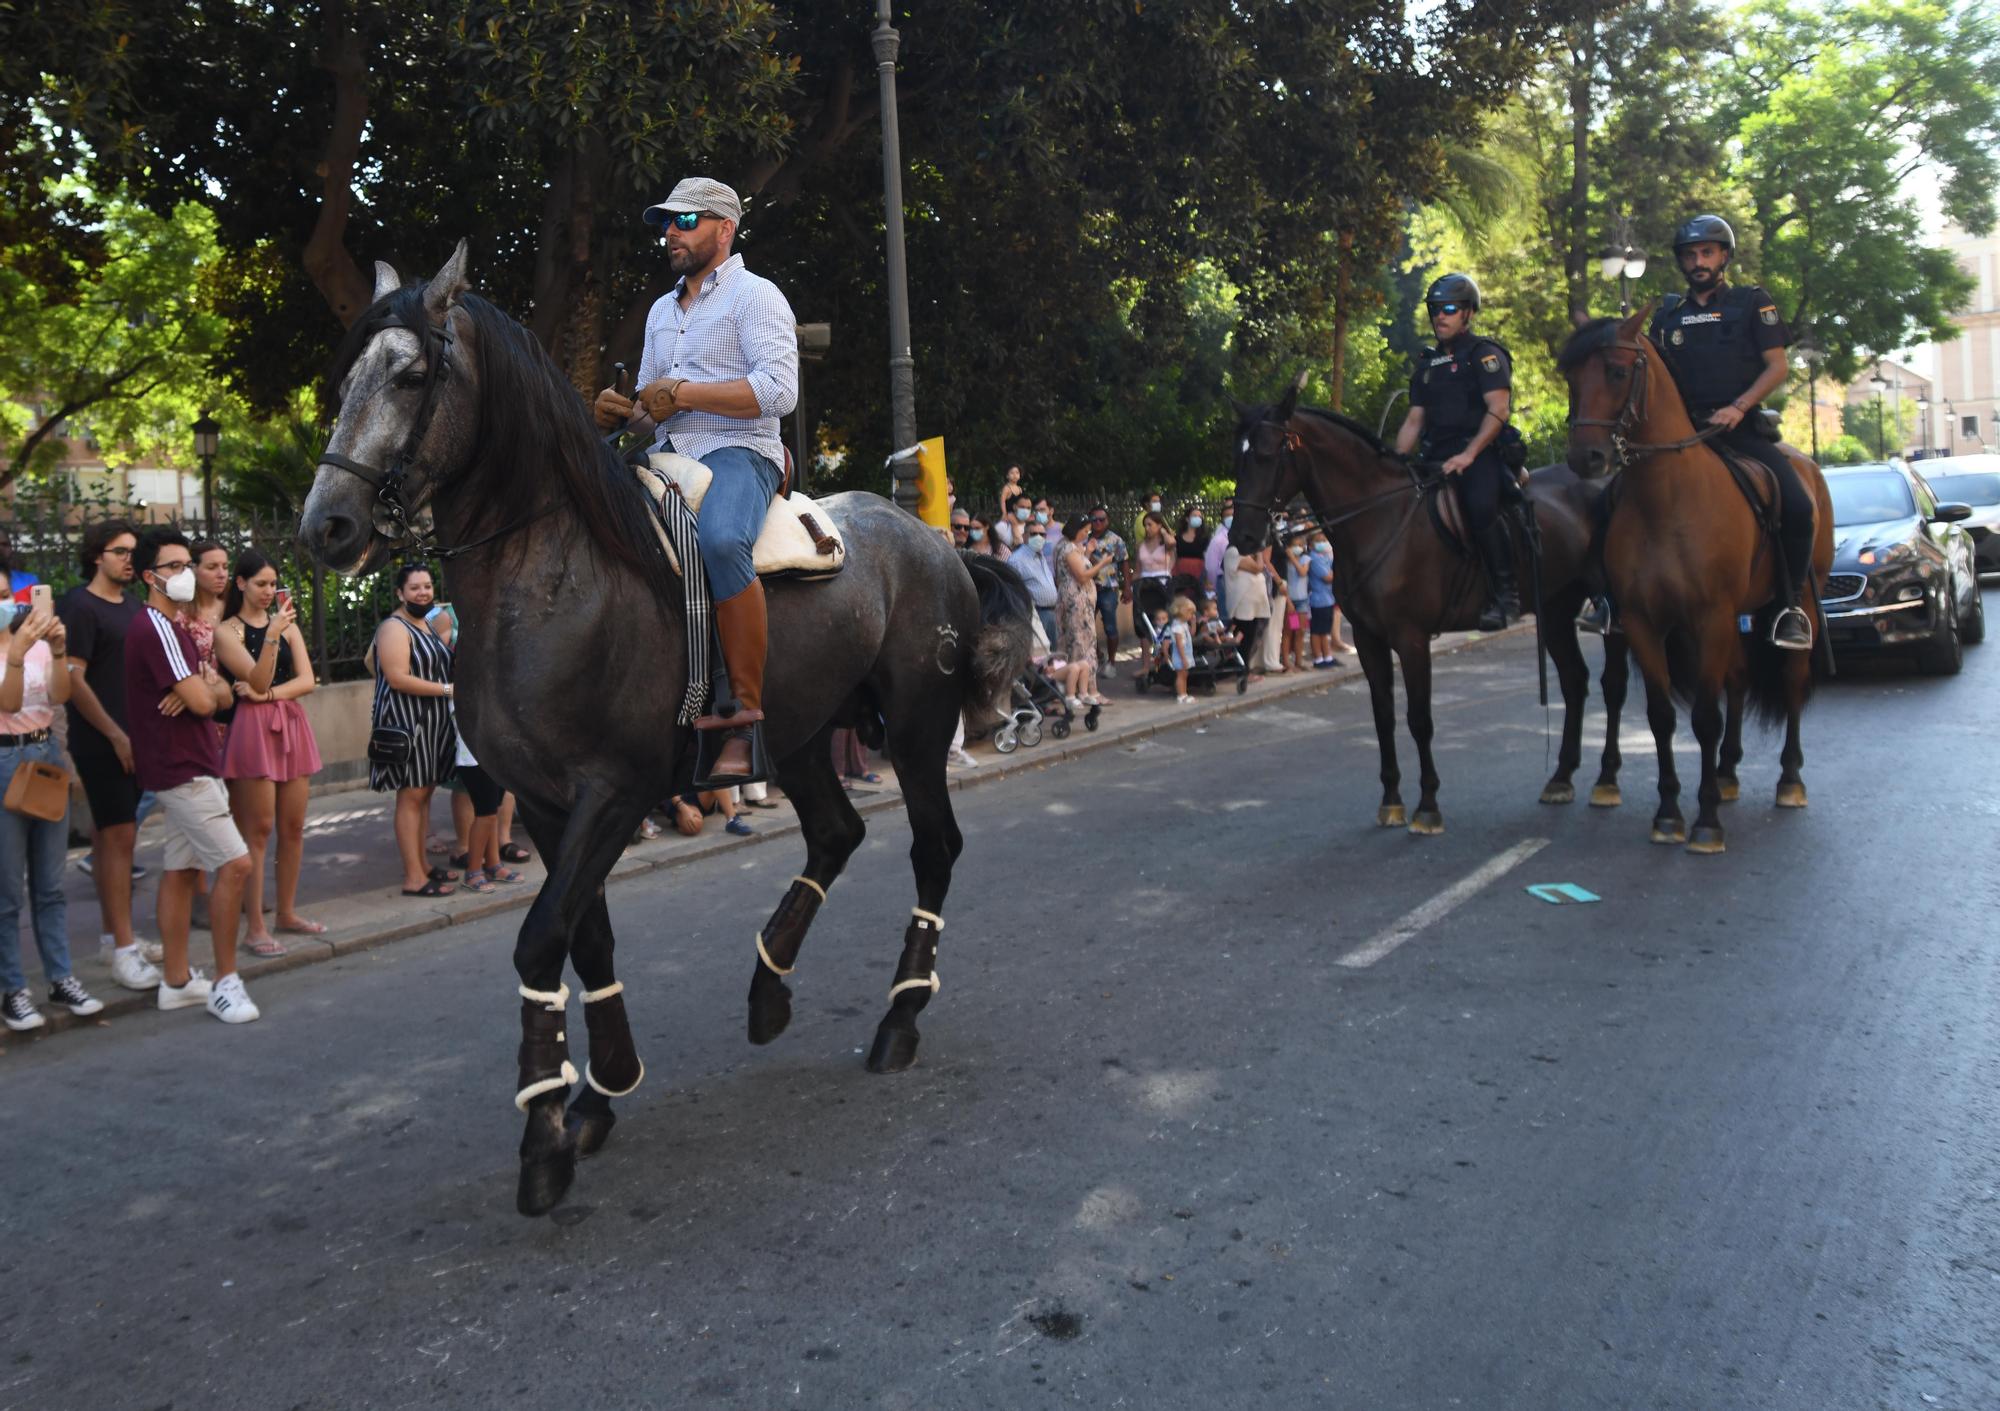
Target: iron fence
x=338, y=615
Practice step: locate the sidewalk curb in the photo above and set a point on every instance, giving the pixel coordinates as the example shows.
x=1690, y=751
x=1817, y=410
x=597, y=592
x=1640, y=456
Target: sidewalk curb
x=314, y=950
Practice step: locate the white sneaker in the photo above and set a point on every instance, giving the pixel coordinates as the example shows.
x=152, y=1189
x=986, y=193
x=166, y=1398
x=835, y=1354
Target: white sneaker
x=194, y=992
x=230, y=1002
x=153, y=951
x=962, y=758
x=130, y=969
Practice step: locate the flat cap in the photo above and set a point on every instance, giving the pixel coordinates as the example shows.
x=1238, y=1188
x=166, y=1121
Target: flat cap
x=697, y=193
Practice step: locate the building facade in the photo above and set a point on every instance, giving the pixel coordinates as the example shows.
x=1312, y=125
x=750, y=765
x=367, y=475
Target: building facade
x=1965, y=410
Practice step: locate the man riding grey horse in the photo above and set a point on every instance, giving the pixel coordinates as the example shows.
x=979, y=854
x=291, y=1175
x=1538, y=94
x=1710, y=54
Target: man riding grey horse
x=720, y=365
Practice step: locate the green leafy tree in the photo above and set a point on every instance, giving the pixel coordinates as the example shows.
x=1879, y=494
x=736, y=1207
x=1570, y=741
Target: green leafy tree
x=1841, y=113
x=120, y=344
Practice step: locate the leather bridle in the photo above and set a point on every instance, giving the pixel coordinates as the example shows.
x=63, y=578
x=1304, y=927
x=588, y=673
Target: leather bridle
x=394, y=518
x=1633, y=413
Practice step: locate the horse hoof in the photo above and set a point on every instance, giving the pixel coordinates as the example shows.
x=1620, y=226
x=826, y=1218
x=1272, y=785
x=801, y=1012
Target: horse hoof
x=1669, y=830
x=1730, y=787
x=1391, y=815
x=588, y=1131
x=545, y=1180
x=894, y=1050
x=1606, y=796
x=1791, y=795
x=1428, y=823
x=1559, y=793
x=1705, y=841
x=770, y=1011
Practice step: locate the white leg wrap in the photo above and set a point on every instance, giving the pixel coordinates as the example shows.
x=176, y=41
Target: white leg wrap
x=621, y=1092
x=546, y=1085
x=765, y=956
x=933, y=984
x=616, y=987
x=549, y=999
x=930, y=916
x=807, y=881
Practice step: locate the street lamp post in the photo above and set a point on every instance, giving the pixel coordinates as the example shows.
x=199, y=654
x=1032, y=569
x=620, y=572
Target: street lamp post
x=902, y=363
x=1627, y=265
x=814, y=340
x=1924, y=432
x=207, y=440
x=1881, y=386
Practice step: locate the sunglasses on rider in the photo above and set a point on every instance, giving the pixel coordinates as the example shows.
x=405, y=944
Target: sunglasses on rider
x=688, y=220
x=1437, y=309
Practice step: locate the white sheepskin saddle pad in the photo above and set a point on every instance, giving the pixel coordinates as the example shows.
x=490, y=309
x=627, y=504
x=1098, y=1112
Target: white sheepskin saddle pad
x=798, y=540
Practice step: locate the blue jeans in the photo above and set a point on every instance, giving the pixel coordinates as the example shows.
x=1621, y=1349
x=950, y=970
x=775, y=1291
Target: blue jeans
x=1107, y=613
x=31, y=871
x=732, y=516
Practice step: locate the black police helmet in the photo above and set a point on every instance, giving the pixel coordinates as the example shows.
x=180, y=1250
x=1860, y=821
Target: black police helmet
x=1453, y=289
x=1693, y=232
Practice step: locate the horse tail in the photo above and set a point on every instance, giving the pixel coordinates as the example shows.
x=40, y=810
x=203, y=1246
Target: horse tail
x=1000, y=650
x=1770, y=694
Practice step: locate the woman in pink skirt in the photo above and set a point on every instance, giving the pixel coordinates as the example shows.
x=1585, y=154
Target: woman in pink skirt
x=270, y=756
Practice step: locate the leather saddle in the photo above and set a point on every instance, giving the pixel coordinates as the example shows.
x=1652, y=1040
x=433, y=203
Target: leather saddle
x=799, y=538
x=1445, y=503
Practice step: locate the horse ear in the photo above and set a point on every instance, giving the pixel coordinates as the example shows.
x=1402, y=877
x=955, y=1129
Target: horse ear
x=387, y=281
x=1290, y=401
x=447, y=284
x=1634, y=327
x=1242, y=412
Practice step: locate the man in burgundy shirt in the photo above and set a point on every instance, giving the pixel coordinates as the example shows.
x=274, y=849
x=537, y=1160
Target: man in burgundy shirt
x=169, y=699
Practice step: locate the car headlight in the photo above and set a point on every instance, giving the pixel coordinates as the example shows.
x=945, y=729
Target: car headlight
x=1888, y=555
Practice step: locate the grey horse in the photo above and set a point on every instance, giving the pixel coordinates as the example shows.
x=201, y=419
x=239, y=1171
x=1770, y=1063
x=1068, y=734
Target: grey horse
x=456, y=434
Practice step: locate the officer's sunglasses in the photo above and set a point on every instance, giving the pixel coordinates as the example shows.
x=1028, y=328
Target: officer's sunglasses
x=1436, y=309
x=688, y=220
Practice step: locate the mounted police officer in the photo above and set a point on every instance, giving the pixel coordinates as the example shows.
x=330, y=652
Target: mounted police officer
x=1460, y=400
x=1725, y=344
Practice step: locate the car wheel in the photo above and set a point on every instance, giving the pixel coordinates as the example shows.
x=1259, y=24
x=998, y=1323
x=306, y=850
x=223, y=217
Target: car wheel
x=1975, y=626
x=1945, y=654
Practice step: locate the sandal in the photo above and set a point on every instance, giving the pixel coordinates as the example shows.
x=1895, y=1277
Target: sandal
x=265, y=947
x=436, y=846
x=504, y=874
x=299, y=926
x=477, y=882
x=462, y=861
x=439, y=874
x=433, y=888
x=514, y=852
x=867, y=776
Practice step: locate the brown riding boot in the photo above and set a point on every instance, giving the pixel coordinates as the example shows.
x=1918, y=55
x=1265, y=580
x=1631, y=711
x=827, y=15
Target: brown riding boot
x=741, y=623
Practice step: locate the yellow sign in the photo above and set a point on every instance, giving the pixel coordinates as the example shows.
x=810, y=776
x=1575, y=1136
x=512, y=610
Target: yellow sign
x=933, y=508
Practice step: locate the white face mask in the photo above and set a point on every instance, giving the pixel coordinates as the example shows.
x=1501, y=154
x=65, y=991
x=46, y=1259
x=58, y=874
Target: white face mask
x=1153, y=505
x=1035, y=541
x=1227, y=520
x=180, y=588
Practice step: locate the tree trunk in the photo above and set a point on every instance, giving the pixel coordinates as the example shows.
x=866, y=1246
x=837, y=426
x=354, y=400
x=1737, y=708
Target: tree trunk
x=1576, y=261
x=552, y=271
x=1337, y=391
x=340, y=281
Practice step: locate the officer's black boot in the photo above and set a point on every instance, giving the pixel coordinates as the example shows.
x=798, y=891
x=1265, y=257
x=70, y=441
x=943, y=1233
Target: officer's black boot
x=1792, y=631
x=1500, y=596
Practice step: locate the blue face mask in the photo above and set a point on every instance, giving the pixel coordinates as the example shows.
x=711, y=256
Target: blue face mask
x=1228, y=520
x=1322, y=548
x=1022, y=514
x=1041, y=516
x=977, y=535
x=1194, y=521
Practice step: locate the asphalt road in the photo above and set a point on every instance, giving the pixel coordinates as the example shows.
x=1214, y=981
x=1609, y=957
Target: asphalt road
x=1726, y=1138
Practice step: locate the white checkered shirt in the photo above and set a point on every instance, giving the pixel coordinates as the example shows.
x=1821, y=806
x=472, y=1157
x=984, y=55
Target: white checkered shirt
x=740, y=325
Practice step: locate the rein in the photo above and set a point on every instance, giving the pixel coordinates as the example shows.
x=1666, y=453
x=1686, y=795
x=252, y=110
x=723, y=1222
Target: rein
x=1293, y=446
x=1634, y=412
x=394, y=519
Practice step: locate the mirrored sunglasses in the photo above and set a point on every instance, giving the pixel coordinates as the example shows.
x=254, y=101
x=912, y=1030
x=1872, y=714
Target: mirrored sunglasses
x=1436, y=309
x=688, y=220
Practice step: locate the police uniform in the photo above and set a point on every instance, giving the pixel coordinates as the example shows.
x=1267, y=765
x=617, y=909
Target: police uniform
x=1716, y=351
x=1450, y=385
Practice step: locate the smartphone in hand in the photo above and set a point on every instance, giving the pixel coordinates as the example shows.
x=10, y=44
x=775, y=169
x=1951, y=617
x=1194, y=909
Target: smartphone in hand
x=283, y=600
x=41, y=600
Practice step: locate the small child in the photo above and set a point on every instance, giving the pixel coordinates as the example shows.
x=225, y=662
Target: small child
x=1214, y=629
x=1180, y=648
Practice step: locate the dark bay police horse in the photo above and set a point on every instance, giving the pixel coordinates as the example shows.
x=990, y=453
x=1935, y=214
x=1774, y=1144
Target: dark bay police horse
x=1400, y=581
x=1685, y=558
x=571, y=662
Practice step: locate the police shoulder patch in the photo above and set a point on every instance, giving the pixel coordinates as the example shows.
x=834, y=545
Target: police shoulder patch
x=1768, y=313
x=1491, y=362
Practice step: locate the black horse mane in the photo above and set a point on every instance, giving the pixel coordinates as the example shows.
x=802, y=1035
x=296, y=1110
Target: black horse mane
x=1593, y=337
x=534, y=432
x=1353, y=428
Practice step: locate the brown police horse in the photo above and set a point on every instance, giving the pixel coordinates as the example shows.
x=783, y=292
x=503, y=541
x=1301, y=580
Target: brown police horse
x=1684, y=558
x=1401, y=581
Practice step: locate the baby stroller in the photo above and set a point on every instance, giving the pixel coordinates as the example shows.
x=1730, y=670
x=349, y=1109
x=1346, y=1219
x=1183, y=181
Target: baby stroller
x=1213, y=664
x=1038, y=701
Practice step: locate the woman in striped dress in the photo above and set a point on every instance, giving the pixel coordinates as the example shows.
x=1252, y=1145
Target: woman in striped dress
x=413, y=694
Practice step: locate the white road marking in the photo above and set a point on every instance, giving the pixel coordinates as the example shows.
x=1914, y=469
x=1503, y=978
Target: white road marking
x=1385, y=942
